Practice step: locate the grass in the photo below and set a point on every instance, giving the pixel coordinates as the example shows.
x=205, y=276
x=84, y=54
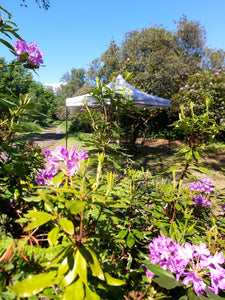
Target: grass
x=28, y=130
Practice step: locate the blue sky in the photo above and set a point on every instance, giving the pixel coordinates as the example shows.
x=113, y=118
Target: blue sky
x=71, y=33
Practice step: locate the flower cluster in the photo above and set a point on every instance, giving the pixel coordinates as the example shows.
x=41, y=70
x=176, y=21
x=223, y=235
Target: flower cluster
x=71, y=159
x=205, y=187
x=192, y=263
x=34, y=53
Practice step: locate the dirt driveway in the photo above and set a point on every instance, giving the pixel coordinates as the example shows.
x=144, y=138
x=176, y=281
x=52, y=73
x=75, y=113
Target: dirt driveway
x=49, y=137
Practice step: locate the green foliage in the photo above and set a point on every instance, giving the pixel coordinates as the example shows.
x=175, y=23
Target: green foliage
x=160, y=60
x=108, y=125
x=74, y=81
x=72, y=212
x=201, y=87
x=8, y=29
x=197, y=129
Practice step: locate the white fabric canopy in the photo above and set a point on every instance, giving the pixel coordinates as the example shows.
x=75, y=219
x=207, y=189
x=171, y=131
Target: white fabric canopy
x=140, y=98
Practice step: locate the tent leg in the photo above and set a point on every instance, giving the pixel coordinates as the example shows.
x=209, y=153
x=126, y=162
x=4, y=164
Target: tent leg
x=66, y=124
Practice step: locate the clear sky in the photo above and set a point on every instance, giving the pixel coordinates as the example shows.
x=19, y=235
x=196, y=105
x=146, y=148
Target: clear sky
x=71, y=33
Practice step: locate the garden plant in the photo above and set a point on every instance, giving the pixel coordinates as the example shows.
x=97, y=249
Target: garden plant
x=72, y=229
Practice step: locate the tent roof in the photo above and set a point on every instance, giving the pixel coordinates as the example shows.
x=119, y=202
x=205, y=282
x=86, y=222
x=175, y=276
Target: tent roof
x=141, y=99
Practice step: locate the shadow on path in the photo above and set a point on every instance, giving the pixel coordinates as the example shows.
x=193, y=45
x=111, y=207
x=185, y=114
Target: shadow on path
x=49, y=137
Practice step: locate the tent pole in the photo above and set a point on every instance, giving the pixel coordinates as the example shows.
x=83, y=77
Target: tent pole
x=66, y=124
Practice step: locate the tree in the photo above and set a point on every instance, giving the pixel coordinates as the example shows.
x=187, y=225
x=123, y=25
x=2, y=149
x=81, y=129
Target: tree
x=44, y=99
x=75, y=80
x=41, y=3
x=190, y=38
x=213, y=59
x=19, y=81
x=201, y=88
x=14, y=81
x=160, y=60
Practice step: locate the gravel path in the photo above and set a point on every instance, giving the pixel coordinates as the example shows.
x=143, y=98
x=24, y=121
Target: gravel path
x=49, y=137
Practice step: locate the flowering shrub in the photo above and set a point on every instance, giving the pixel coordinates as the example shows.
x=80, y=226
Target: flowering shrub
x=205, y=187
x=70, y=159
x=201, y=86
x=30, y=53
x=193, y=264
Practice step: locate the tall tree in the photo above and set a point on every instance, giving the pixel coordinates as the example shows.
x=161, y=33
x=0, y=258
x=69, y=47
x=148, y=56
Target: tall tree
x=190, y=38
x=106, y=66
x=213, y=59
x=75, y=80
x=160, y=60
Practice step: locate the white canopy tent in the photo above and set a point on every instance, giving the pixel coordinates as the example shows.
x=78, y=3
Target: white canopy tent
x=141, y=99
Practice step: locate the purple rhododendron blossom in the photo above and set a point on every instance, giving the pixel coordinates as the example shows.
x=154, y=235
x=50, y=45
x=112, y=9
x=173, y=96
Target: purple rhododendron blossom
x=203, y=188
x=70, y=159
x=190, y=262
x=198, y=284
x=205, y=185
x=35, y=54
x=201, y=201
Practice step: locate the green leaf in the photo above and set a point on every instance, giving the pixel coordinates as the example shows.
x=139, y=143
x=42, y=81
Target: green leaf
x=53, y=236
x=74, y=291
x=90, y=295
x=95, y=265
x=193, y=296
x=56, y=258
x=137, y=233
x=81, y=267
x=196, y=155
x=7, y=44
x=33, y=284
x=212, y=295
x=113, y=281
x=162, y=277
x=64, y=266
x=205, y=170
x=188, y=155
x=130, y=240
x=58, y=179
x=39, y=218
x=122, y=233
x=66, y=225
x=75, y=206
x=71, y=275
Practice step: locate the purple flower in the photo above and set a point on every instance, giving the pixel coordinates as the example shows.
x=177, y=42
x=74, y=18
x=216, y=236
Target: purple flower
x=20, y=48
x=223, y=206
x=46, y=175
x=201, y=201
x=34, y=53
x=205, y=185
x=187, y=86
x=191, y=262
x=61, y=155
x=198, y=284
